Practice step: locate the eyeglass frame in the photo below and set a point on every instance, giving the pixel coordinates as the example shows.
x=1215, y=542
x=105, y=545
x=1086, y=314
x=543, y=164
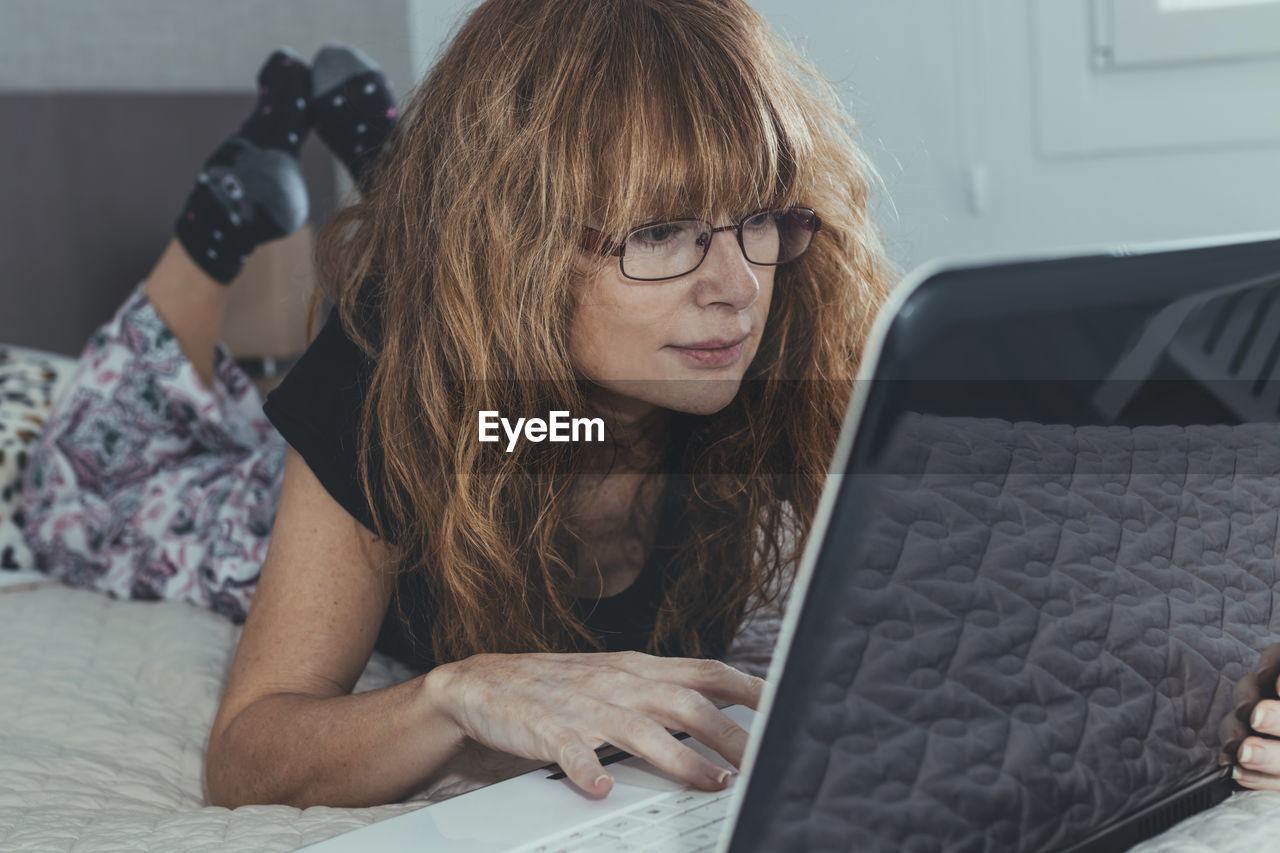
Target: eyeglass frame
x=594, y=240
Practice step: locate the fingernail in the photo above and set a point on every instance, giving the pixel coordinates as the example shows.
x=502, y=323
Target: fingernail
x=1246, y=754
x=1236, y=773
x=721, y=779
x=601, y=779
x=1259, y=718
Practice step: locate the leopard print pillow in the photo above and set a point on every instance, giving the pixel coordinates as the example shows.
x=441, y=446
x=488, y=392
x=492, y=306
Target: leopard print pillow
x=30, y=383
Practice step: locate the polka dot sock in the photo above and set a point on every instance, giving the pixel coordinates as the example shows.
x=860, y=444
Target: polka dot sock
x=251, y=189
x=352, y=108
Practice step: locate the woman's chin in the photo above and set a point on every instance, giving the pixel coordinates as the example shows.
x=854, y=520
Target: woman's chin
x=693, y=396
x=698, y=396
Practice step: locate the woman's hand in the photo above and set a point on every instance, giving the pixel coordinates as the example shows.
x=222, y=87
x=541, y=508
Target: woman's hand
x=1251, y=734
x=561, y=707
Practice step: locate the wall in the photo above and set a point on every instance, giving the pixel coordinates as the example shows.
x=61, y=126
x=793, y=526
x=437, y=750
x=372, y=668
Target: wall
x=951, y=98
x=954, y=99
x=184, y=46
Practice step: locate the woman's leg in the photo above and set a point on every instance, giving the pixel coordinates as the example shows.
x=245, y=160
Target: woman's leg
x=353, y=110
x=248, y=192
x=149, y=483
x=192, y=304
x=157, y=475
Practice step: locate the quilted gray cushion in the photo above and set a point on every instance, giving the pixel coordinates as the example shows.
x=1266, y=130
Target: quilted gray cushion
x=1039, y=630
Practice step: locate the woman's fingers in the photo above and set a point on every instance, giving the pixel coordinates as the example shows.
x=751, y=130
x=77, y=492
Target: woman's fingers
x=579, y=762
x=689, y=711
x=1257, y=781
x=1265, y=718
x=1259, y=765
x=1259, y=757
x=679, y=698
x=1253, y=705
x=640, y=735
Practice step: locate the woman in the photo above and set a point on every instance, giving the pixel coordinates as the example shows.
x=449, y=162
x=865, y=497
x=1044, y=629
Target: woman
x=599, y=208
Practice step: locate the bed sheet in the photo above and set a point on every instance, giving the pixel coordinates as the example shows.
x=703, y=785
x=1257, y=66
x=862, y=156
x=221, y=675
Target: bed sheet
x=108, y=705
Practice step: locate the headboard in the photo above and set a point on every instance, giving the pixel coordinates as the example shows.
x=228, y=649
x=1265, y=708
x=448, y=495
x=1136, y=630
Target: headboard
x=91, y=184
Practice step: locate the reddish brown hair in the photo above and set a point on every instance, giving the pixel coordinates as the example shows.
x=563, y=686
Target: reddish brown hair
x=540, y=116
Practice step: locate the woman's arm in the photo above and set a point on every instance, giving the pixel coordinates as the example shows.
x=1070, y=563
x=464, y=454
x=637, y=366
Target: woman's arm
x=288, y=730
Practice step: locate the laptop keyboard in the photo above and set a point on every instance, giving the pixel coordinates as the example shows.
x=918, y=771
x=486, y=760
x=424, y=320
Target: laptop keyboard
x=686, y=821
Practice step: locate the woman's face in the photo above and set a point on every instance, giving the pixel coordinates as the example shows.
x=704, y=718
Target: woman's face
x=682, y=344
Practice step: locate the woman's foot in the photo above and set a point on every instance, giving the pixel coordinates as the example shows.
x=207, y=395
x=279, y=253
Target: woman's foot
x=352, y=107
x=251, y=188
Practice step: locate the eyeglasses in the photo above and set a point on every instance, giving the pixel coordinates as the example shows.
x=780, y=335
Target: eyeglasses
x=657, y=251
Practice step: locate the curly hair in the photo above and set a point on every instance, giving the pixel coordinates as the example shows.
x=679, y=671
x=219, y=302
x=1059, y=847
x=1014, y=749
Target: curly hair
x=541, y=116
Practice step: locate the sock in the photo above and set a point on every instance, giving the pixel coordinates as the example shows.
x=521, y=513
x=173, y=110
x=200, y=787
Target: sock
x=251, y=189
x=352, y=108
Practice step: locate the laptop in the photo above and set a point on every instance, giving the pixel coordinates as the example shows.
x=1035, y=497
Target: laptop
x=1042, y=560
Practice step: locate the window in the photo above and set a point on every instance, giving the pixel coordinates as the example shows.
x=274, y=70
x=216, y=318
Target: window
x=1115, y=76
x=1146, y=32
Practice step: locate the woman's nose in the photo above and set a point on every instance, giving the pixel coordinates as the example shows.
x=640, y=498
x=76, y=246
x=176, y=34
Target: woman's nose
x=725, y=276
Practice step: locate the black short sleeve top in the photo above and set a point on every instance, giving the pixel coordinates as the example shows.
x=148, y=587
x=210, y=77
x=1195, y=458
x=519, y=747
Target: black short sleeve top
x=317, y=409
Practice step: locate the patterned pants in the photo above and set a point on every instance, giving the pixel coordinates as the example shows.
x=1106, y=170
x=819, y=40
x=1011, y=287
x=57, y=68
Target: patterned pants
x=147, y=484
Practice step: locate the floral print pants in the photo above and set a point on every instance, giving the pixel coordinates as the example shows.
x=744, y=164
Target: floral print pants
x=147, y=484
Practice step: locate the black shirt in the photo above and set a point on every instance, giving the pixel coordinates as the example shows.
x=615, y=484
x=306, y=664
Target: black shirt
x=317, y=409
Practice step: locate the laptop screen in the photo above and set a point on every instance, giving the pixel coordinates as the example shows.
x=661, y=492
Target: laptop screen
x=1050, y=557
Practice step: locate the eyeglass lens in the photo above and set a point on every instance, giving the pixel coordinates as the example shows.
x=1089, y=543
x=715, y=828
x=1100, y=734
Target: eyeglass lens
x=671, y=249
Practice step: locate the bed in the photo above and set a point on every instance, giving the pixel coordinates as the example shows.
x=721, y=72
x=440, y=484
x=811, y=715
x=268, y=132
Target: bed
x=108, y=704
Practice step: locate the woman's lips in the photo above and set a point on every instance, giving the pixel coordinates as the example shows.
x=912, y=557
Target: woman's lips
x=712, y=353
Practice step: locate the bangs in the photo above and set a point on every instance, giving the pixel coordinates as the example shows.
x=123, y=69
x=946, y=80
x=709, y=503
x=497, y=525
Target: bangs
x=686, y=125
